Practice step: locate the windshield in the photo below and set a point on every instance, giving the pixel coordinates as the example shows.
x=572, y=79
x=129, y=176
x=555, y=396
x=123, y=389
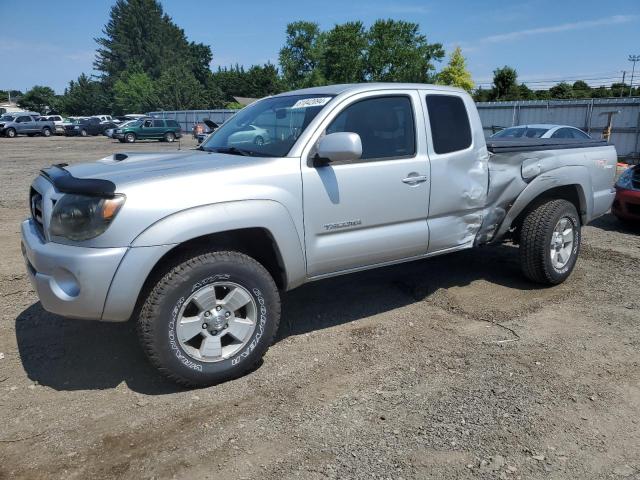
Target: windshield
x=521, y=132
x=267, y=128
x=7, y=118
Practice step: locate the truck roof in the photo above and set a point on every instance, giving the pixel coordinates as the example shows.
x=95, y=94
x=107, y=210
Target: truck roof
x=364, y=87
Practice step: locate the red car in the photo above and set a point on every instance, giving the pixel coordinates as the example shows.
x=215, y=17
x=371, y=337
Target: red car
x=626, y=205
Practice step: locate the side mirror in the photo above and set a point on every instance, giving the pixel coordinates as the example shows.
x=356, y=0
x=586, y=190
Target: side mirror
x=338, y=147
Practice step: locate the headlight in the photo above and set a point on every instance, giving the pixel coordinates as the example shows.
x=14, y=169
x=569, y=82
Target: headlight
x=78, y=217
x=625, y=179
x=76, y=128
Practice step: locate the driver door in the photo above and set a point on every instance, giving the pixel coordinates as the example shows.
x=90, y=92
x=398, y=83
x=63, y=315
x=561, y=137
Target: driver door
x=372, y=210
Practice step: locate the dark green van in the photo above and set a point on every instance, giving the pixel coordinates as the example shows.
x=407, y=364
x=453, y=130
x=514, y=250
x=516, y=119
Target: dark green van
x=149, y=129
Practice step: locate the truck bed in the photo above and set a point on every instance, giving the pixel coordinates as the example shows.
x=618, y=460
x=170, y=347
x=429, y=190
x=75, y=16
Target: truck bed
x=536, y=144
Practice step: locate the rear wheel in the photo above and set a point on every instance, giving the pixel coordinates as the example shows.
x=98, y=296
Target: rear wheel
x=46, y=132
x=210, y=318
x=550, y=242
x=169, y=137
x=130, y=137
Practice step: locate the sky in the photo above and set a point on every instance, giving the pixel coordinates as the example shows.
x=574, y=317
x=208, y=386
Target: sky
x=546, y=41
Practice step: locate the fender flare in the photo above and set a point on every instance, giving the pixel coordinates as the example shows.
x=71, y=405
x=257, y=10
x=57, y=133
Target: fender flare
x=169, y=232
x=560, y=177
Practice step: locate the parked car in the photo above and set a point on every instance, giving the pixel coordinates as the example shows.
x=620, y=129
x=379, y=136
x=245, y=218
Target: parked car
x=110, y=131
x=57, y=120
x=106, y=119
x=626, y=205
x=202, y=130
x=14, y=124
x=86, y=126
x=249, y=135
x=354, y=177
x=149, y=129
x=542, y=130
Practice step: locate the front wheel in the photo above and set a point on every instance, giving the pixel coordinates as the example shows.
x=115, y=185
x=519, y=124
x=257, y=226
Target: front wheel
x=83, y=133
x=46, y=132
x=210, y=318
x=10, y=133
x=130, y=137
x=550, y=242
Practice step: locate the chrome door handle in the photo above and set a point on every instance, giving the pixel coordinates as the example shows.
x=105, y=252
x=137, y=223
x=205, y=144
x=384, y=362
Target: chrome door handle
x=414, y=179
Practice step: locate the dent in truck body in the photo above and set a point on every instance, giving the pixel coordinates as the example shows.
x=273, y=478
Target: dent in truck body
x=516, y=179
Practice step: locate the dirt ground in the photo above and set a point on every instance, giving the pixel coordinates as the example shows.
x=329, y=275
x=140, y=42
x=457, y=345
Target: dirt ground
x=453, y=367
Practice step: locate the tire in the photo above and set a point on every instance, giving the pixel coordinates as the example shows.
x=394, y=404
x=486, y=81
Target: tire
x=130, y=138
x=10, y=133
x=83, y=133
x=169, y=137
x=46, y=132
x=170, y=300
x=258, y=140
x=541, y=262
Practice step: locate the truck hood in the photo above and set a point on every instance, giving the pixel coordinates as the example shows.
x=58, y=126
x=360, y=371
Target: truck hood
x=130, y=168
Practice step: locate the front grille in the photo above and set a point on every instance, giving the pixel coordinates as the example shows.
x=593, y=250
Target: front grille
x=37, y=212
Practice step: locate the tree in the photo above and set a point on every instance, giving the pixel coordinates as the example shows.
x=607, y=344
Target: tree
x=456, y=73
x=343, y=57
x=397, y=52
x=85, y=97
x=525, y=93
x=561, y=90
x=505, y=84
x=178, y=89
x=301, y=55
x=39, y=99
x=134, y=92
x=140, y=33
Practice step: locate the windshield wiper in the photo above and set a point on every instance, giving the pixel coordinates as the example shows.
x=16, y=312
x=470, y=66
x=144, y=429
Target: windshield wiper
x=238, y=151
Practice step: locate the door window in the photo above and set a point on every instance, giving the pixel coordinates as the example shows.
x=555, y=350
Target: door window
x=158, y=123
x=147, y=123
x=385, y=125
x=23, y=119
x=450, y=128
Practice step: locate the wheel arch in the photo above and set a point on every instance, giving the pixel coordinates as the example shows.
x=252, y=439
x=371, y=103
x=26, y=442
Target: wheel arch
x=274, y=243
x=568, y=183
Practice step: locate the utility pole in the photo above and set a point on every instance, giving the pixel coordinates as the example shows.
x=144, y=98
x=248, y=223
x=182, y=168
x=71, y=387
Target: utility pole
x=624, y=74
x=634, y=59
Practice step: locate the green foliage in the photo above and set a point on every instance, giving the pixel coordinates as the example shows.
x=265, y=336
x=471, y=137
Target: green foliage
x=397, y=52
x=505, y=84
x=301, y=55
x=140, y=33
x=456, y=73
x=344, y=50
x=85, y=97
x=134, y=92
x=178, y=89
x=561, y=90
x=39, y=99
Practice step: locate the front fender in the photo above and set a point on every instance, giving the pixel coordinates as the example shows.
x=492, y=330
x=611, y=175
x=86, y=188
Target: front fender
x=159, y=238
x=559, y=177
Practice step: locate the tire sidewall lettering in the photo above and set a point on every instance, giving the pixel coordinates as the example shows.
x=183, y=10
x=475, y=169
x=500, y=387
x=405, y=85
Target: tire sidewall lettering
x=238, y=358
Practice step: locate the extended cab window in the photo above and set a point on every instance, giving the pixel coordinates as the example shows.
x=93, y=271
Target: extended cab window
x=450, y=128
x=385, y=125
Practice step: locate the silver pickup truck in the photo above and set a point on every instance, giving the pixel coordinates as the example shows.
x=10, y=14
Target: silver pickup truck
x=197, y=245
x=25, y=123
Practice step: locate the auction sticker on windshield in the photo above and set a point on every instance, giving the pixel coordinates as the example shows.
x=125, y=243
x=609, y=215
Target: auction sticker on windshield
x=311, y=102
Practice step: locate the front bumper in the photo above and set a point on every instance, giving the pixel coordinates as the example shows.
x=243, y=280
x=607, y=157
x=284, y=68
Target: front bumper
x=627, y=204
x=70, y=281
